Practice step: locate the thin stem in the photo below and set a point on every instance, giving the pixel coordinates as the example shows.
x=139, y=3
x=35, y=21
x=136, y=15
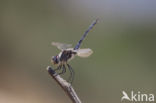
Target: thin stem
x=67, y=87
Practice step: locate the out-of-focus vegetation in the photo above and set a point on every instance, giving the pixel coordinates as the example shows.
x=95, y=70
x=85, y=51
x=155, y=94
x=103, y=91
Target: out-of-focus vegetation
x=123, y=42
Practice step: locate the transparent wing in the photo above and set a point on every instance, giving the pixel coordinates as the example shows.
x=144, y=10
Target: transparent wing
x=84, y=52
x=61, y=46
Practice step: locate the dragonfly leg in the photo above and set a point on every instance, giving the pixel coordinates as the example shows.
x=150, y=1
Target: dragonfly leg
x=63, y=70
x=58, y=68
x=72, y=73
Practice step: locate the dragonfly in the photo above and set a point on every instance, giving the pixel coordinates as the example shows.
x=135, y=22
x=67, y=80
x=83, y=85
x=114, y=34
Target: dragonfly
x=67, y=53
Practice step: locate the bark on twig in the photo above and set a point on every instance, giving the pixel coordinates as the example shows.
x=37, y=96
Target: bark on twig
x=67, y=87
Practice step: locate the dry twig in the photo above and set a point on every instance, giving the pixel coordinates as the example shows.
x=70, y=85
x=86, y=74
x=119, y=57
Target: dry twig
x=67, y=87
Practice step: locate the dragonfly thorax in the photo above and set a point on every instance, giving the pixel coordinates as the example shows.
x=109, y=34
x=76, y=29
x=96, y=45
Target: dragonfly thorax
x=66, y=55
x=63, y=57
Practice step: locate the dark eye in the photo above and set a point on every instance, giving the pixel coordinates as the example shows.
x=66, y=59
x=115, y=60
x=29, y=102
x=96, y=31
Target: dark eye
x=54, y=58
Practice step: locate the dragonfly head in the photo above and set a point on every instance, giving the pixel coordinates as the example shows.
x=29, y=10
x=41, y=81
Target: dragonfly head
x=55, y=59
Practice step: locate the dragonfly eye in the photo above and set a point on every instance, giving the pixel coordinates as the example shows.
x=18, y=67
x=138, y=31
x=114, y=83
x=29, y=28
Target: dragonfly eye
x=55, y=59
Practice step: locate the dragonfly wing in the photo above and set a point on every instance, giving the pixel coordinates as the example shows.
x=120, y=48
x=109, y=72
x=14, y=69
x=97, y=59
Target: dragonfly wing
x=61, y=46
x=84, y=52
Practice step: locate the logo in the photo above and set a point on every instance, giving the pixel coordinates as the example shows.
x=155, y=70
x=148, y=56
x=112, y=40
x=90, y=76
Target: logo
x=137, y=96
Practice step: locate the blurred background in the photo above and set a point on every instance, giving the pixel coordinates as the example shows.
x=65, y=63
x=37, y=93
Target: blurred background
x=123, y=41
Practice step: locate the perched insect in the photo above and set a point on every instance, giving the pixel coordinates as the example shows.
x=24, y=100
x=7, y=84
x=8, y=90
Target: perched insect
x=67, y=53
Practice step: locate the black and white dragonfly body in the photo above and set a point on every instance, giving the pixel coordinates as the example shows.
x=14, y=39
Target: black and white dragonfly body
x=67, y=53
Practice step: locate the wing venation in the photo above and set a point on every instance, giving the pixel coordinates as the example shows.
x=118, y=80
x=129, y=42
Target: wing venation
x=61, y=46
